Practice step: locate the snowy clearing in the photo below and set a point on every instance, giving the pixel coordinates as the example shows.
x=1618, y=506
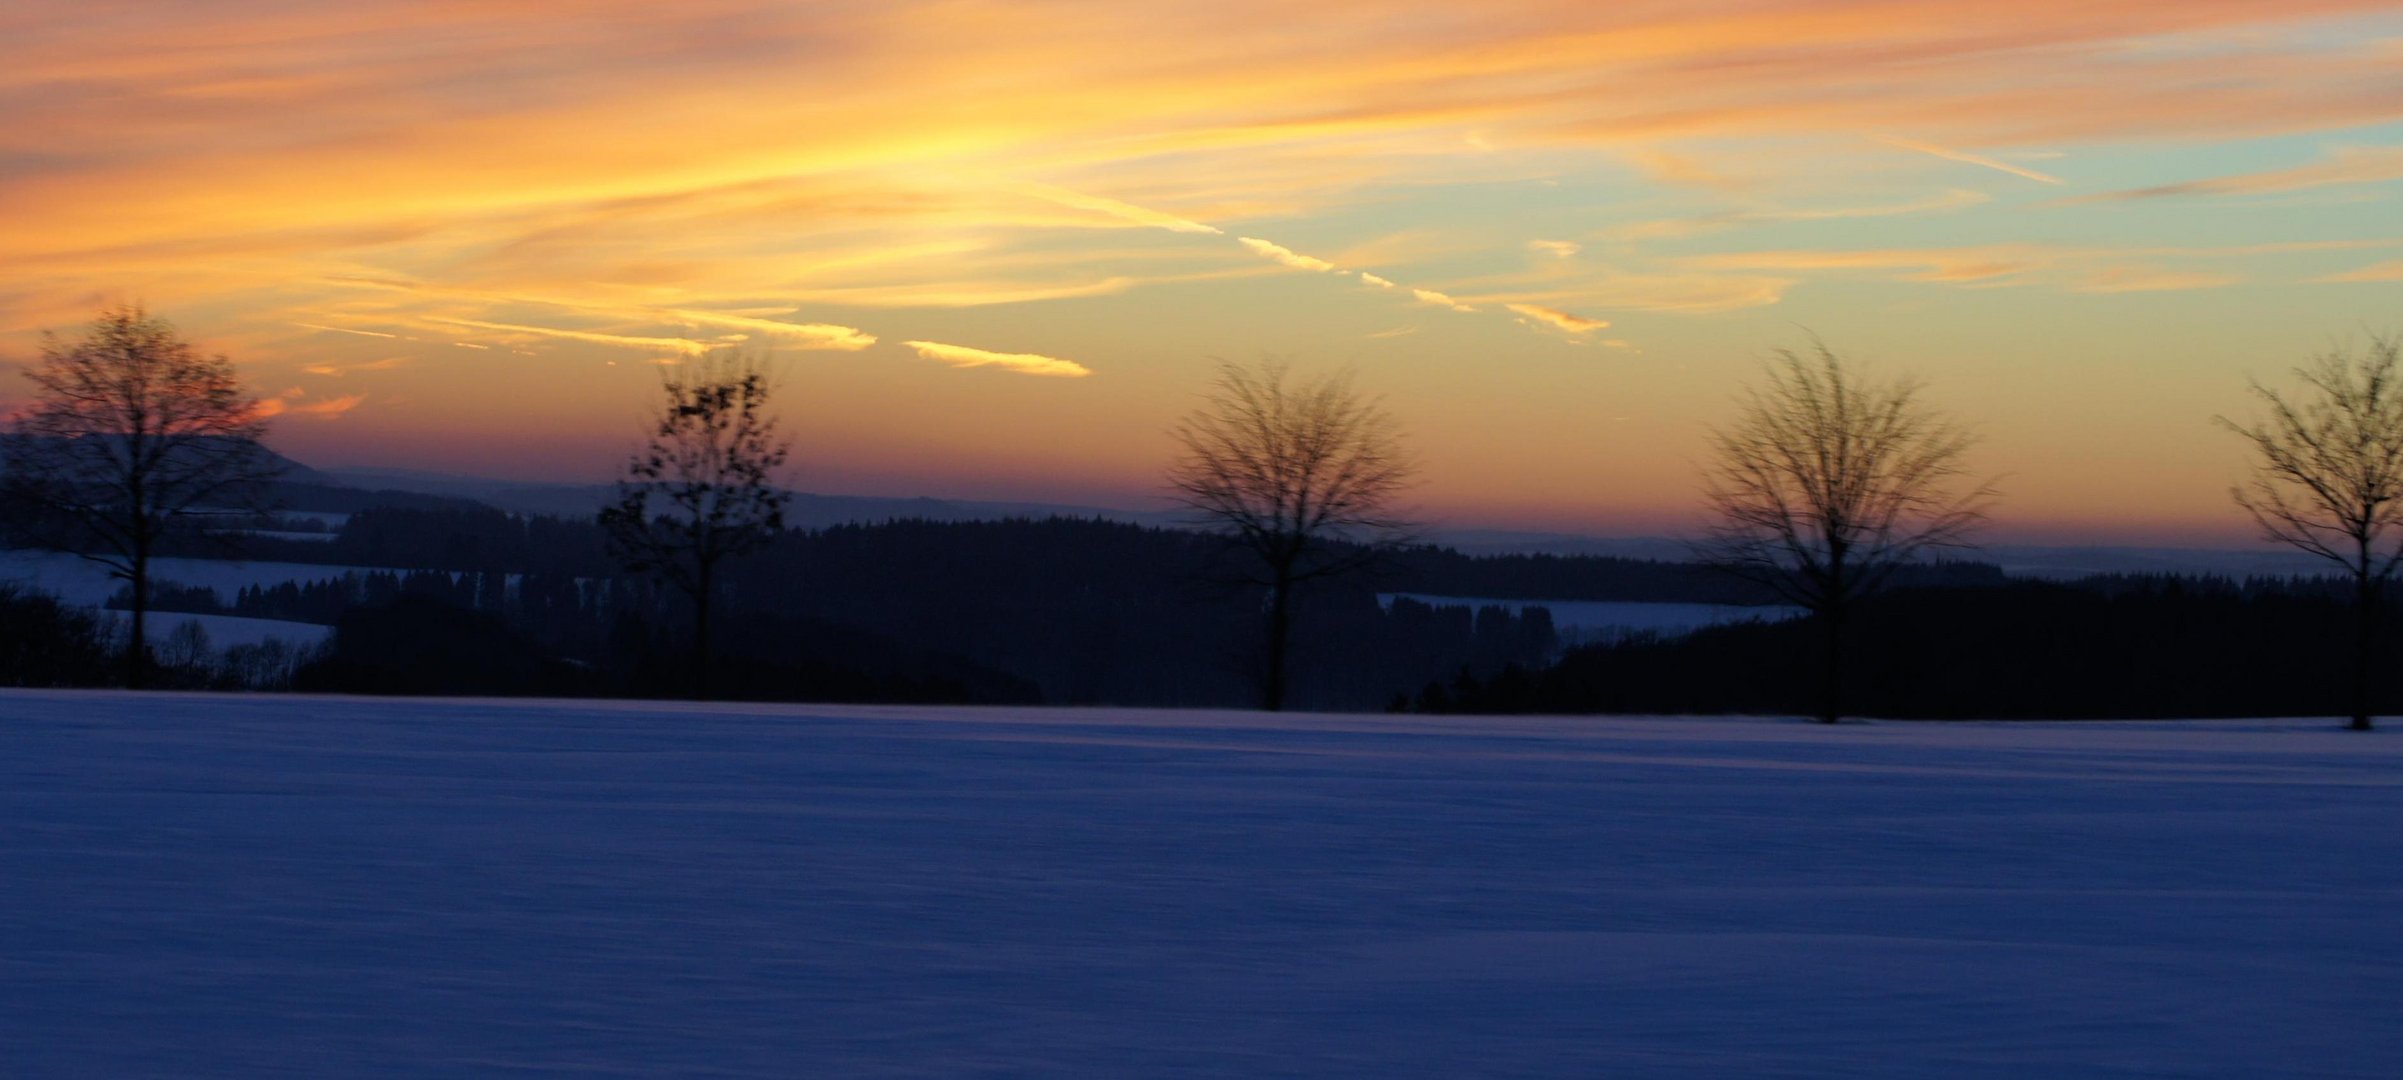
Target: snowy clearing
x=83, y=583
x=1591, y=622
x=227, y=885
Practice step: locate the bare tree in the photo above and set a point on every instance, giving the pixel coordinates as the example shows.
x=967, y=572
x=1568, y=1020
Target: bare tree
x=2328, y=479
x=131, y=435
x=1302, y=476
x=702, y=490
x=1826, y=484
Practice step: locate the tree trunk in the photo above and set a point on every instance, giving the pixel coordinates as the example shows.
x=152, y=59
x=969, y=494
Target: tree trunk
x=700, y=672
x=1831, y=693
x=1280, y=628
x=2365, y=630
x=137, y=648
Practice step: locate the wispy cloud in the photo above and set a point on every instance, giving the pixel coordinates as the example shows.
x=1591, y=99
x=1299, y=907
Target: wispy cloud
x=1432, y=298
x=1022, y=363
x=2128, y=279
x=1127, y=212
x=2347, y=165
x=1558, y=249
x=1682, y=171
x=670, y=346
x=1285, y=255
x=338, y=370
x=2098, y=269
x=1946, y=201
x=2391, y=270
x=1965, y=157
x=1572, y=325
x=344, y=330
x=805, y=335
x=332, y=408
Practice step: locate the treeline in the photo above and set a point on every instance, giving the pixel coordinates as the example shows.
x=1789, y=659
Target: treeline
x=1072, y=611
x=44, y=643
x=1058, y=610
x=2118, y=646
x=1444, y=572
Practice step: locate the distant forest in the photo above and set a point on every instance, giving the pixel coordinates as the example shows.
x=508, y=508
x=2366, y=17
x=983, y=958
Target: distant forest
x=1068, y=611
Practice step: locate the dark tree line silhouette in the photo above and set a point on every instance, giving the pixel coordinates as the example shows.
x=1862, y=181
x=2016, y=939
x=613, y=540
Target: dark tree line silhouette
x=1828, y=491
x=2100, y=648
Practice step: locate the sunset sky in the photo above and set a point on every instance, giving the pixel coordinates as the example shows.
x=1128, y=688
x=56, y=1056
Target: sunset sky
x=995, y=247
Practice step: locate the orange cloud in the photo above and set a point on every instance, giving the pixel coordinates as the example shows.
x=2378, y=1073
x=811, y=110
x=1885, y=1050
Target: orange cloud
x=329, y=409
x=2347, y=165
x=2391, y=270
x=1964, y=156
x=671, y=346
x=1123, y=211
x=1432, y=298
x=962, y=356
x=1573, y=325
x=338, y=370
x=1284, y=255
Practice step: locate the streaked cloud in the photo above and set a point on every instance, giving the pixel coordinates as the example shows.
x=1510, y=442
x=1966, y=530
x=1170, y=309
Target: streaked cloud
x=2346, y=165
x=803, y=335
x=670, y=346
x=1947, y=201
x=1126, y=212
x=288, y=404
x=1980, y=160
x=1432, y=298
x=335, y=371
x=2391, y=270
x=820, y=176
x=1573, y=325
x=344, y=330
x=2076, y=269
x=962, y=356
x=2127, y=279
x=1285, y=255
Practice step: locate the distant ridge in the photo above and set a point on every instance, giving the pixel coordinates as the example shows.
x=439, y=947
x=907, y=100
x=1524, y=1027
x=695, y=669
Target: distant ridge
x=807, y=510
x=814, y=511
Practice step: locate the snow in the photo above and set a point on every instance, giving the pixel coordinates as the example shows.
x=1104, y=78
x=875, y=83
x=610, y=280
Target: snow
x=303, y=537
x=320, y=886
x=1582, y=622
x=84, y=583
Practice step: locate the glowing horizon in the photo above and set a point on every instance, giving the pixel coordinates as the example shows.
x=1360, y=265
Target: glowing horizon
x=994, y=248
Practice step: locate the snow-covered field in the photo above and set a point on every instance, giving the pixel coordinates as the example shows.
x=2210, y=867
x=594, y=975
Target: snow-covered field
x=323, y=887
x=84, y=583
x=1584, y=622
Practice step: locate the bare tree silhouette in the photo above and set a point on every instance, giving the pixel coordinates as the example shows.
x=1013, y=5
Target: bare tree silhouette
x=1302, y=476
x=133, y=434
x=1825, y=484
x=702, y=490
x=2328, y=479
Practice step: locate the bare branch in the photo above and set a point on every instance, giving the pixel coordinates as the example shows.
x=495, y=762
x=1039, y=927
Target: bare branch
x=132, y=433
x=703, y=488
x=1825, y=484
x=2328, y=462
x=1302, y=475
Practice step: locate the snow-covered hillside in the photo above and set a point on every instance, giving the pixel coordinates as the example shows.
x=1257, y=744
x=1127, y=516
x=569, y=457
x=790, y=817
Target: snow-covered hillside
x=85, y=583
x=324, y=887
